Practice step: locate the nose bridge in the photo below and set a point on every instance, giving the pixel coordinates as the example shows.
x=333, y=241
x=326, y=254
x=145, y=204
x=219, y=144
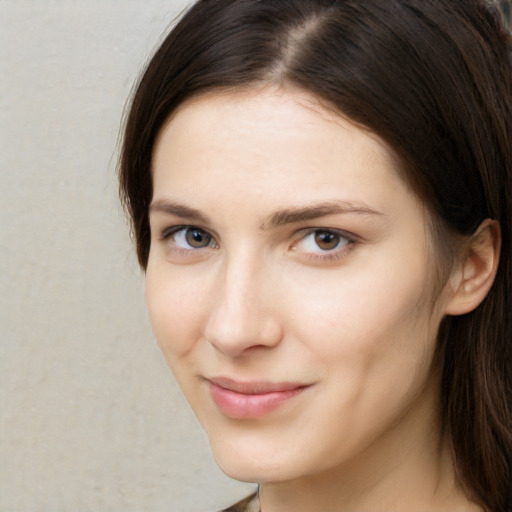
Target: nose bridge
x=242, y=312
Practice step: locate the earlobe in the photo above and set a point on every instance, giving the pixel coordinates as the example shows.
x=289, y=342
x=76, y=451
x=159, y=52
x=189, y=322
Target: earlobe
x=475, y=274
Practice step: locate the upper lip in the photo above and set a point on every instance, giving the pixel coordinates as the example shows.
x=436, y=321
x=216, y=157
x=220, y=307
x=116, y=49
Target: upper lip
x=254, y=387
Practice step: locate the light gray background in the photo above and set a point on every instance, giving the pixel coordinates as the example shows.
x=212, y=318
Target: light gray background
x=90, y=418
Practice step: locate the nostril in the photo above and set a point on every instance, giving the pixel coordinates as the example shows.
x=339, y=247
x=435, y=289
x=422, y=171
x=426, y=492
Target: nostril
x=244, y=333
x=240, y=319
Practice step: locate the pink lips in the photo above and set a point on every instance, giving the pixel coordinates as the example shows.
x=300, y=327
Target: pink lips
x=244, y=400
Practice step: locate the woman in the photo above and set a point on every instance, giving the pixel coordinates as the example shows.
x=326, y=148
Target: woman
x=320, y=194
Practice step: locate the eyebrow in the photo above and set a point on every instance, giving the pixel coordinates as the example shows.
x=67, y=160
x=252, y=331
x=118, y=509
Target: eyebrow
x=314, y=211
x=279, y=218
x=179, y=210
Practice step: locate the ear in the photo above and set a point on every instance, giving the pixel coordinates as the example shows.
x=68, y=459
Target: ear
x=472, y=279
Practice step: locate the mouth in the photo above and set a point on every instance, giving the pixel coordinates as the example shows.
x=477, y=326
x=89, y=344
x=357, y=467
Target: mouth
x=246, y=400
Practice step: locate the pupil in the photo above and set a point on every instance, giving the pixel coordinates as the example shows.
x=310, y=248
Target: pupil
x=326, y=240
x=197, y=238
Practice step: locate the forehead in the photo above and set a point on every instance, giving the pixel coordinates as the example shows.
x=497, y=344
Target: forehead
x=271, y=107
x=271, y=145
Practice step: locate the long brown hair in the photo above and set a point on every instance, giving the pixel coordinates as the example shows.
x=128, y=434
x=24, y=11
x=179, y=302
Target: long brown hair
x=433, y=79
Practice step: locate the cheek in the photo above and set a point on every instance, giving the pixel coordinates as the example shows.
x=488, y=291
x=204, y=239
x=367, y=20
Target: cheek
x=373, y=344
x=357, y=306
x=175, y=304
x=368, y=328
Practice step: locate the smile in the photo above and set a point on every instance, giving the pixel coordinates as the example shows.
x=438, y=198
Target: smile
x=245, y=400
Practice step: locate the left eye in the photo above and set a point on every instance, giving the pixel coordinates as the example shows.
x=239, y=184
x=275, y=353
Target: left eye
x=323, y=240
x=192, y=238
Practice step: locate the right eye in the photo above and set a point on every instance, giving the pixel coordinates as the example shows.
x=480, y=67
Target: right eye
x=190, y=238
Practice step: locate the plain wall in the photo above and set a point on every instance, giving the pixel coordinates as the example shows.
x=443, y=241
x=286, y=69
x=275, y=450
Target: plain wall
x=90, y=417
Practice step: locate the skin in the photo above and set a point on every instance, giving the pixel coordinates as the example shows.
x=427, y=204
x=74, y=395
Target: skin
x=262, y=300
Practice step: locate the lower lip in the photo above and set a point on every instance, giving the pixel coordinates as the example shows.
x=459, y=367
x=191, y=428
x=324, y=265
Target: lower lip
x=243, y=406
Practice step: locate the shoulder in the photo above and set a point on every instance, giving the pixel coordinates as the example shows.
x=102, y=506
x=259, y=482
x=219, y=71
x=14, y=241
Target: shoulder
x=249, y=504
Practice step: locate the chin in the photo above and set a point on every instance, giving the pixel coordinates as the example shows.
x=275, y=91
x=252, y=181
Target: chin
x=252, y=471
x=248, y=460
x=241, y=472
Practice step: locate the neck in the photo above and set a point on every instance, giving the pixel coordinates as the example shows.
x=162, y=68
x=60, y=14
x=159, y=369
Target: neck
x=407, y=469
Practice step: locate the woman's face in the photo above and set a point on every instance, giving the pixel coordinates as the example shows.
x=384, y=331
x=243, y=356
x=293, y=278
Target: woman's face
x=289, y=286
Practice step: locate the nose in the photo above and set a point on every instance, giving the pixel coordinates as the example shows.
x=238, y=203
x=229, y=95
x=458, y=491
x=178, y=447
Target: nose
x=244, y=313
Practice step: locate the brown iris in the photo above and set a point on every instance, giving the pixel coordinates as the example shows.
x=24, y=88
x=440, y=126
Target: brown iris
x=326, y=240
x=197, y=238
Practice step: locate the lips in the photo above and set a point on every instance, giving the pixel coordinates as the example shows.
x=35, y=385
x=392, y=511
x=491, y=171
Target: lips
x=244, y=400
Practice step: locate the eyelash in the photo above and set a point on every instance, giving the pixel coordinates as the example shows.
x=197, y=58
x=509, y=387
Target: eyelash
x=169, y=233
x=337, y=253
x=346, y=240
